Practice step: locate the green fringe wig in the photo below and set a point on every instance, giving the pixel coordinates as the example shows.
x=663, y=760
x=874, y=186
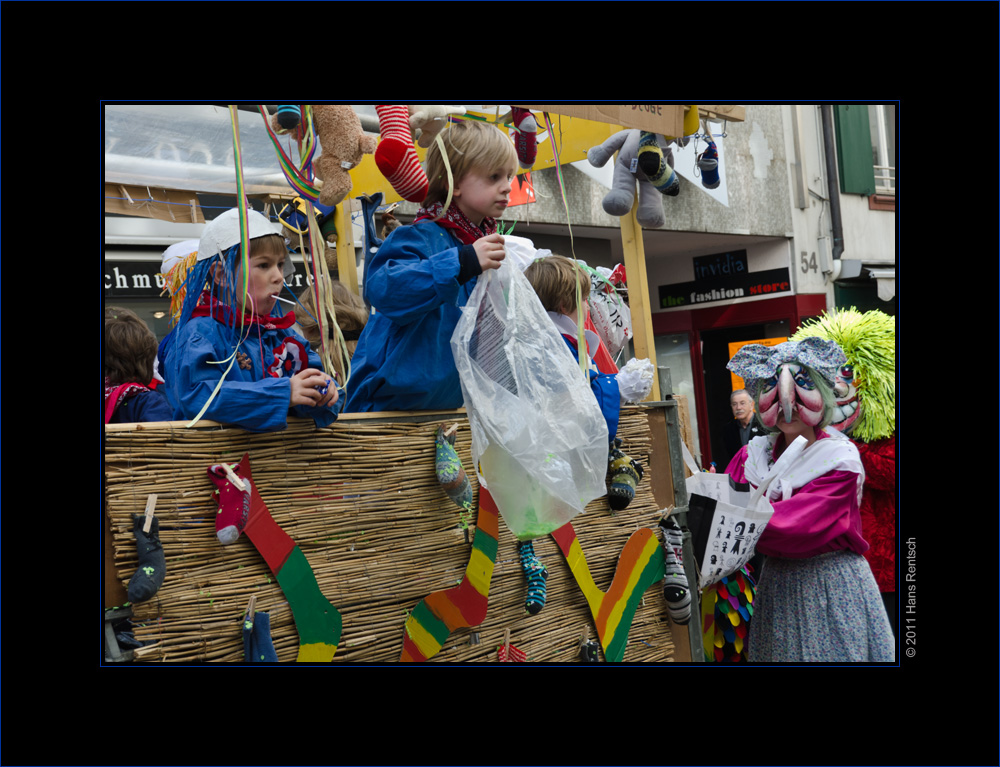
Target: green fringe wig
x=869, y=342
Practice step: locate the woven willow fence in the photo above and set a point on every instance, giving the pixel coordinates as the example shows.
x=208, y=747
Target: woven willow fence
x=362, y=502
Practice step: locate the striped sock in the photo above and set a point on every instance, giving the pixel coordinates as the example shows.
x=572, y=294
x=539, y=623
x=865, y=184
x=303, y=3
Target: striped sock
x=625, y=476
x=536, y=573
x=676, y=590
x=449, y=470
x=395, y=155
x=653, y=164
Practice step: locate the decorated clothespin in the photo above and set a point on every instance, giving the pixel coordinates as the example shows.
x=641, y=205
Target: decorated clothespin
x=150, y=506
x=231, y=476
x=507, y=653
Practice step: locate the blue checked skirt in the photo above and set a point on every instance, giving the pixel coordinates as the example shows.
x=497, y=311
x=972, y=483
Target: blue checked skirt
x=825, y=609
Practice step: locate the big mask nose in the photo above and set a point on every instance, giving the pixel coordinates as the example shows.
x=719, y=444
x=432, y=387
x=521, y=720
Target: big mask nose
x=786, y=393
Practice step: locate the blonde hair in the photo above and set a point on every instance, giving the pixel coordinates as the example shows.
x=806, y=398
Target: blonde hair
x=555, y=280
x=352, y=316
x=470, y=145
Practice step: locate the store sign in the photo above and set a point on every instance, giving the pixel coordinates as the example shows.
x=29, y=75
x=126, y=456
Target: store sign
x=140, y=279
x=724, y=277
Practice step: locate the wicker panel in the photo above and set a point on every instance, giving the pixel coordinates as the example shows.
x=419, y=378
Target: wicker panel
x=361, y=500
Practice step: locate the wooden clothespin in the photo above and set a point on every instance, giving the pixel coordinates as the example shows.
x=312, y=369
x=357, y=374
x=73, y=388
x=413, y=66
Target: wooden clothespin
x=150, y=506
x=251, y=607
x=231, y=476
x=508, y=653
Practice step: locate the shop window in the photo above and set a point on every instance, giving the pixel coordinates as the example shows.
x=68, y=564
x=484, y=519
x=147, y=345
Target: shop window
x=673, y=351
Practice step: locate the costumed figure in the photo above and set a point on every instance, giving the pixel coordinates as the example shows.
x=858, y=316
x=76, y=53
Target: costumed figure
x=817, y=600
x=866, y=411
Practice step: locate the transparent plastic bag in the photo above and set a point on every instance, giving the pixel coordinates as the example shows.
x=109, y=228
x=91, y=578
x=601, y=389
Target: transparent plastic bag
x=611, y=316
x=539, y=440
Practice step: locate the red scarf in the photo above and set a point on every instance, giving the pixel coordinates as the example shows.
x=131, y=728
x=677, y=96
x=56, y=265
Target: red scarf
x=208, y=306
x=458, y=222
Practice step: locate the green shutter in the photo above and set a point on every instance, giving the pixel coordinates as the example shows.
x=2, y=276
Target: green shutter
x=855, y=163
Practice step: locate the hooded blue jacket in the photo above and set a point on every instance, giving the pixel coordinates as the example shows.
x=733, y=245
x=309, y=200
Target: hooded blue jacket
x=403, y=360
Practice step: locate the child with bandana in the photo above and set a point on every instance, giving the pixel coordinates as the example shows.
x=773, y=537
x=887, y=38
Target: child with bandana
x=227, y=313
x=129, y=357
x=424, y=273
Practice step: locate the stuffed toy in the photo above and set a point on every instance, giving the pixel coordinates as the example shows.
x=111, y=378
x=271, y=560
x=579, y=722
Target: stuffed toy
x=643, y=158
x=343, y=144
x=430, y=120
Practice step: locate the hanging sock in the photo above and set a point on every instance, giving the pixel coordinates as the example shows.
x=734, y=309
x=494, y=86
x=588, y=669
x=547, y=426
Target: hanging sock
x=152, y=564
x=654, y=165
x=588, y=651
x=257, y=645
x=526, y=138
x=396, y=156
x=625, y=476
x=708, y=162
x=289, y=115
x=536, y=574
x=233, y=503
x=676, y=589
x=449, y=470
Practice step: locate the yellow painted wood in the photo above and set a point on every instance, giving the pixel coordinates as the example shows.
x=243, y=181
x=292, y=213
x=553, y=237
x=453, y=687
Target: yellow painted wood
x=347, y=265
x=638, y=294
x=573, y=136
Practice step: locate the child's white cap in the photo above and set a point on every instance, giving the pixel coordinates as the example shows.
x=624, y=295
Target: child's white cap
x=222, y=232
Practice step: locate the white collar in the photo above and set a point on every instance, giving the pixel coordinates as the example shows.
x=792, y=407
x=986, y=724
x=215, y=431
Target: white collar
x=567, y=327
x=796, y=468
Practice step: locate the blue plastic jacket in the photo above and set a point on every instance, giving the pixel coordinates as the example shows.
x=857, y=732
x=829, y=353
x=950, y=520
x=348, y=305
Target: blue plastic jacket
x=254, y=399
x=403, y=360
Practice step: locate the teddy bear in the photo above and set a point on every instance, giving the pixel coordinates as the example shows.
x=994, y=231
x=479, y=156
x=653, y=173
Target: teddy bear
x=343, y=143
x=643, y=158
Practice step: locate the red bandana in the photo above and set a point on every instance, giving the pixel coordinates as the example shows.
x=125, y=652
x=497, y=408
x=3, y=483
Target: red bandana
x=115, y=395
x=210, y=307
x=458, y=222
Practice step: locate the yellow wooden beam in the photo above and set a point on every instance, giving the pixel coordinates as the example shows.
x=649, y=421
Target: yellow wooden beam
x=638, y=294
x=347, y=263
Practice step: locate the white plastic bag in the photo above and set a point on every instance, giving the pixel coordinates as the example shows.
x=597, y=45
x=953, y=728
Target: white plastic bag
x=539, y=440
x=611, y=316
x=726, y=521
x=724, y=516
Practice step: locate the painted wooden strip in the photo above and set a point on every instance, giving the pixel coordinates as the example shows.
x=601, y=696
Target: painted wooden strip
x=318, y=622
x=640, y=565
x=437, y=615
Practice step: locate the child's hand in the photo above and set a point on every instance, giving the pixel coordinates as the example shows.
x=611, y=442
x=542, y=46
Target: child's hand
x=305, y=391
x=490, y=251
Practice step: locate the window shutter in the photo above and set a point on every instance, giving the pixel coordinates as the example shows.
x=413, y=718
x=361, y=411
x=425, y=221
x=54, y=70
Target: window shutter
x=855, y=163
